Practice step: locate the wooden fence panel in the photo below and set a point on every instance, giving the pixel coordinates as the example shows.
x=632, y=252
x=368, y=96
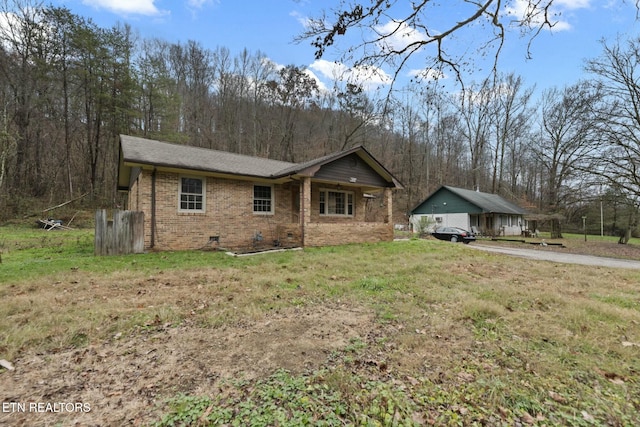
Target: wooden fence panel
x=122, y=235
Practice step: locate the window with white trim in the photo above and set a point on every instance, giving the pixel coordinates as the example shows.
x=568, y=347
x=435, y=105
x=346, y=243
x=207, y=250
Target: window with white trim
x=192, y=194
x=334, y=202
x=262, y=199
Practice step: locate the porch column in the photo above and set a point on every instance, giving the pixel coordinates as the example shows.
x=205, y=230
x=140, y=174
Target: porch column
x=389, y=196
x=305, y=206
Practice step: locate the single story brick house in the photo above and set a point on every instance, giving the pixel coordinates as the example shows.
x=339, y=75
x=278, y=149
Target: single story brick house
x=484, y=213
x=195, y=198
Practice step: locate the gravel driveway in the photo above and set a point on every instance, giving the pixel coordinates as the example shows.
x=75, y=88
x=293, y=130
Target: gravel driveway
x=565, y=258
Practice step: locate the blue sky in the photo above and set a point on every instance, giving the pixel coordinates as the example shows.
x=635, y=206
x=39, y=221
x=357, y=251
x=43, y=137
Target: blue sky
x=270, y=26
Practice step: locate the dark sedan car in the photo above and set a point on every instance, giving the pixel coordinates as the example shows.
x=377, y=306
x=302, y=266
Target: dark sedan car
x=453, y=234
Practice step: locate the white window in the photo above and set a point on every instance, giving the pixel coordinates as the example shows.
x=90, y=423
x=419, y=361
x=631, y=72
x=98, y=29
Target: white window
x=192, y=194
x=336, y=202
x=262, y=199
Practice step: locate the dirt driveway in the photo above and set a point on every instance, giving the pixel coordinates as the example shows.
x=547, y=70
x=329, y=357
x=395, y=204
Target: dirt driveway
x=560, y=257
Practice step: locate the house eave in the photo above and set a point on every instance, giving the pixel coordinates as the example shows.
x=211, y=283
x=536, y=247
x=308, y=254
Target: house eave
x=134, y=154
x=209, y=173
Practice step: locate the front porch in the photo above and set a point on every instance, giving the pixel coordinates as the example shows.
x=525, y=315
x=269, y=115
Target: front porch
x=495, y=225
x=319, y=228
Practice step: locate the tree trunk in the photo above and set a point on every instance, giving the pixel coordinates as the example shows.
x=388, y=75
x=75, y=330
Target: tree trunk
x=625, y=236
x=633, y=223
x=556, y=230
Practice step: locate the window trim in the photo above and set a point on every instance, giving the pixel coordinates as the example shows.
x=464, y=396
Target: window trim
x=203, y=180
x=272, y=199
x=326, y=192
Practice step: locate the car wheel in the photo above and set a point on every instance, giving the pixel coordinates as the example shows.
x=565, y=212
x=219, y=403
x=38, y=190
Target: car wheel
x=454, y=239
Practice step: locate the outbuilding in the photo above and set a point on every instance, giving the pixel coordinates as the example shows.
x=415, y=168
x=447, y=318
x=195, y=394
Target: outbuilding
x=483, y=213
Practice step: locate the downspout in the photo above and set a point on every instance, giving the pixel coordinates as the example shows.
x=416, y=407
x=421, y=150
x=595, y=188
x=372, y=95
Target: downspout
x=153, y=208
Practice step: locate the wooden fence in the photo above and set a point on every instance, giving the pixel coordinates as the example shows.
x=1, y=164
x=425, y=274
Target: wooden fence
x=122, y=235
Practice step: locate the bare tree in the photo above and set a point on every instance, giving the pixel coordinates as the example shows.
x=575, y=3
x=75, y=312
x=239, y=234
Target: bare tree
x=7, y=142
x=617, y=164
x=158, y=96
x=62, y=25
x=393, y=32
x=261, y=71
x=473, y=106
x=228, y=87
x=451, y=155
x=291, y=94
x=409, y=161
x=567, y=140
x=26, y=48
x=191, y=68
x=511, y=112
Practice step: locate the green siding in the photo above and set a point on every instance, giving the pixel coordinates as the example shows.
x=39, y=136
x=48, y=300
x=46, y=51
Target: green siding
x=454, y=204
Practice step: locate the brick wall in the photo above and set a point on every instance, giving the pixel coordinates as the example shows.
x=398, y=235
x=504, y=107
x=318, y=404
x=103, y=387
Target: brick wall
x=229, y=216
x=327, y=234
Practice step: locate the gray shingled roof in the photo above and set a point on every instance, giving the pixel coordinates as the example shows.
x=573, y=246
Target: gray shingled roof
x=150, y=152
x=491, y=203
x=142, y=151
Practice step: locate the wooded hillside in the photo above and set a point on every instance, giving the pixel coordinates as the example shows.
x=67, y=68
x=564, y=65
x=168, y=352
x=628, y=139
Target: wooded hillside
x=69, y=88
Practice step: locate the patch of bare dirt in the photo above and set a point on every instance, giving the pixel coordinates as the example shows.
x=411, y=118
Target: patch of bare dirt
x=125, y=379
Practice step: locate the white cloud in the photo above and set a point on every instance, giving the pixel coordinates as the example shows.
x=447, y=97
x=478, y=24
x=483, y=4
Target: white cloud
x=369, y=77
x=133, y=7
x=9, y=30
x=197, y=4
x=302, y=20
x=329, y=69
x=8, y=21
x=321, y=86
x=398, y=35
x=12, y=29
x=573, y=4
x=526, y=10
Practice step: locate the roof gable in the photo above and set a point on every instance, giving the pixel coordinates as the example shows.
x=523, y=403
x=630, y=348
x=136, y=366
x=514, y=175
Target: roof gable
x=350, y=169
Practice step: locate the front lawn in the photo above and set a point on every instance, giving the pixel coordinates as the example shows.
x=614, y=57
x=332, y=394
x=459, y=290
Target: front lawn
x=414, y=332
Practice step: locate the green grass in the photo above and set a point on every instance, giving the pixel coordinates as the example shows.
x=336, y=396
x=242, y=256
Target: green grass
x=598, y=238
x=462, y=337
x=28, y=253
